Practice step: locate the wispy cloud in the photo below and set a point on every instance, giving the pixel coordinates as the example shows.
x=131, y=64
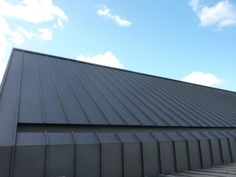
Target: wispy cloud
x=40, y=12
x=106, y=59
x=203, y=78
x=106, y=12
x=220, y=15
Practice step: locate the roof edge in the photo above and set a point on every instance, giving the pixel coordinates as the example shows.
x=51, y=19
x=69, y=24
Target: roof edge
x=5, y=73
x=109, y=67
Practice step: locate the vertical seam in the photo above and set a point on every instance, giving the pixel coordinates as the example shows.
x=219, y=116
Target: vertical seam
x=57, y=90
x=40, y=90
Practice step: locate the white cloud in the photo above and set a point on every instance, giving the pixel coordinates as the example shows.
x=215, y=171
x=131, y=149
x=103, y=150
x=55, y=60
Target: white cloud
x=38, y=12
x=106, y=59
x=106, y=12
x=220, y=15
x=33, y=11
x=201, y=78
x=2, y=69
x=45, y=34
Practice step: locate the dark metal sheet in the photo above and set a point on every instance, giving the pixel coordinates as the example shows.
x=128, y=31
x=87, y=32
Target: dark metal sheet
x=151, y=162
x=60, y=160
x=232, y=143
x=51, y=103
x=181, y=151
x=44, y=98
x=111, y=160
x=74, y=111
x=60, y=138
x=193, y=149
x=9, y=99
x=225, y=149
x=30, y=139
x=215, y=148
x=127, y=137
x=86, y=138
x=132, y=160
x=5, y=160
x=107, y=137
x=88, y=161
x=29, y=161
x=30, y=99
x=205, y=149
x=62, y=89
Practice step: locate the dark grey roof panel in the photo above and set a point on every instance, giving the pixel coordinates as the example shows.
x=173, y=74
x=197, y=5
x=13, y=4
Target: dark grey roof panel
x=187, y=136
x=108, y=137
x=174, y=136
x=51, y=100
x=60, y=138
x=145, y=137
x=161, y=137
x=127, y=137
x=59, y=91
x=31, y=139
x=9, y=99
x=30, y=103
x=86, y=138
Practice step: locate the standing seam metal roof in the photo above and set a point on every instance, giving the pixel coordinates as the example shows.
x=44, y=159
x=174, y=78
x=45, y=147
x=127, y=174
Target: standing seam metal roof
x=61, y=117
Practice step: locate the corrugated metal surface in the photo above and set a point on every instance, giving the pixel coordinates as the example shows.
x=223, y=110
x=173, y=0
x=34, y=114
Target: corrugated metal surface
x=54, y=90
x=106, y=154
x=64, y=118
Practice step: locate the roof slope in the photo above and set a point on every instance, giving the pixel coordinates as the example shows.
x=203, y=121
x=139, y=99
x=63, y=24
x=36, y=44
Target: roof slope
x=60, y=117
x=44, y=89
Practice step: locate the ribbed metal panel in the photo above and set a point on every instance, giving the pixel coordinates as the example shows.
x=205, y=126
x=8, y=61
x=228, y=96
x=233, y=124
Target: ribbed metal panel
x=65, y=118
x=55, y=90
x=107, y=154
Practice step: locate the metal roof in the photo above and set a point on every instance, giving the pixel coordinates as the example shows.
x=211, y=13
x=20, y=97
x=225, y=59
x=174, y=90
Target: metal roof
x=63, y=117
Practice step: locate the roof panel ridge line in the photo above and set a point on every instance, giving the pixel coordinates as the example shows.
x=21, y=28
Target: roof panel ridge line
x=141, y=152
x=196, y=109
x=118, y=69
x=103, y=95
x=150, y=109
x=140, y=92
x=75, y=152
x=100, y=153
x=74, y=92
x=133, y=116
x=76, y=73
x=118, y=99
x=57, y=89
x=175, y=107
x=106, y=98
x=122, y=152
x=6, y=73
x=46, y=153
x=165, y=102
x=202, y=102
x=40, y=90
x=18, y=99
x=195, y=112
x=12, y=160
x=159, y=151
x=126, y=96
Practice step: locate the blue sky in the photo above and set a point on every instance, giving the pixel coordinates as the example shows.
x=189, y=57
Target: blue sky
x=190, y=40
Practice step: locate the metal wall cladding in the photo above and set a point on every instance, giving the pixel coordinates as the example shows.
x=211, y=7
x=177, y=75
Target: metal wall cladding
x=106, y=154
